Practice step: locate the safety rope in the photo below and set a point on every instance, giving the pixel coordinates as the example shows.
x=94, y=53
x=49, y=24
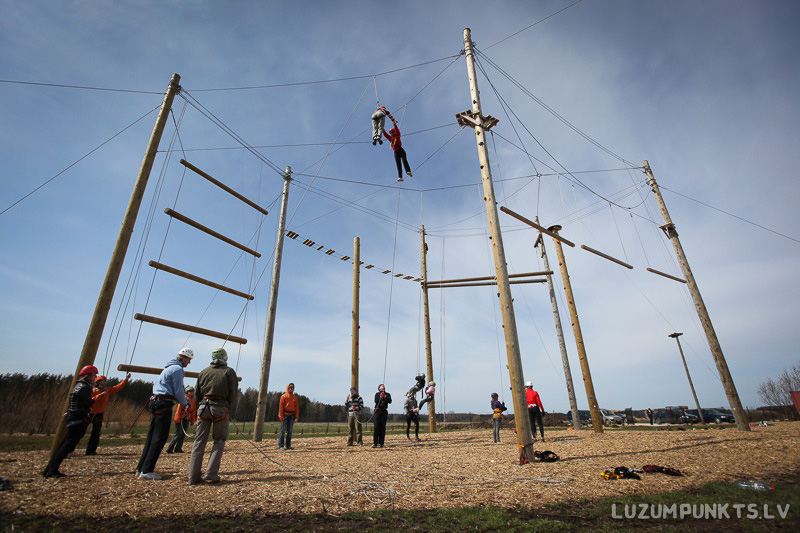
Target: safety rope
x=391, y=290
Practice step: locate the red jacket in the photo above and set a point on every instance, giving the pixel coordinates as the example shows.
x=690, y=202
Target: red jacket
x=532, y=398
x=101, y=397
x=394, y=139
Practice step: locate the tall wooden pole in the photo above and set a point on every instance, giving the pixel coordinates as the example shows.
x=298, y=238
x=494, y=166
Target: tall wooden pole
x=523, y=424
x=691, y=385
x=356, y=274
x=427, y=318
x=597, y=418
x=261, y=408
x=716, y=350
x=98, y=323
x=573, y=403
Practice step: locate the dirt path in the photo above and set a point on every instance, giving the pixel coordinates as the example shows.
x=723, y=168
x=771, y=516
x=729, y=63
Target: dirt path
x=322, y=475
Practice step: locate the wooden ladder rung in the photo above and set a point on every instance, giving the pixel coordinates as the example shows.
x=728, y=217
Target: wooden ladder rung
x=198, y=279
x=224, y=187
x=654, y=271
x=188, y=327
x=604, y=256
x=135, y=369
x=209, y=231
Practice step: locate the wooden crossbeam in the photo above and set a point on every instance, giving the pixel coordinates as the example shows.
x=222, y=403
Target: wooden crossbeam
x=188, y=327
x=485, y=278
x=198, y=279
x=209, y=231
x=535, y=225
x=156, y=371
x=654, y=271
x=479, y=284
x=604, y=256
x=224, y=187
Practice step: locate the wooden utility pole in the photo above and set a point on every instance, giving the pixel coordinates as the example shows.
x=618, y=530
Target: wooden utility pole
x=716, y=350
x=261, y=408
x=98, y=323
x=691, y=385
x=427, y=318
x=356, y=275
x=573, y=403
x=597, y=417
x=475, y=119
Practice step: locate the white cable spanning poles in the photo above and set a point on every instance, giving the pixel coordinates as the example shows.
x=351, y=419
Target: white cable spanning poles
x=261, y=408
x=716, y=350
x=476, y=120
x=98, y=323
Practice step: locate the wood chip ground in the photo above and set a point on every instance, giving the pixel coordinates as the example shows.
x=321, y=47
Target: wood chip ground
x=444, y=470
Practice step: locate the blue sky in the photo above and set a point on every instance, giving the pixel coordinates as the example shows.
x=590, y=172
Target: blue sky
x=705, y=91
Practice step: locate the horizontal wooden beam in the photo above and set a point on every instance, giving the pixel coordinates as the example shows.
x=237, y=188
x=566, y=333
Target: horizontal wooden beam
x=224, y=187
x=479, y=284
x=189, y=221
x=535, y=225
x=188, y=327
x=604, y=256
x=485, y=278
x=156, y=371
x=654, y=271
x=181, y=273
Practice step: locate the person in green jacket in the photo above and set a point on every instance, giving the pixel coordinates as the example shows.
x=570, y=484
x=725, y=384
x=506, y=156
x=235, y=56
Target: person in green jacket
x=217, y=393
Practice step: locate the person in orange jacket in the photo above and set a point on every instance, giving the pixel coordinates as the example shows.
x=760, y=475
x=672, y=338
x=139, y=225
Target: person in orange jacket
x=288, y=414
x=101, y=394
x=184, y=417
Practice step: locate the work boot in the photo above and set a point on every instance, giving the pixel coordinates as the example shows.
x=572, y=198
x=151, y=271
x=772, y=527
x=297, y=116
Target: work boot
x=55, y=474
x=409, y=173
x=400, y=178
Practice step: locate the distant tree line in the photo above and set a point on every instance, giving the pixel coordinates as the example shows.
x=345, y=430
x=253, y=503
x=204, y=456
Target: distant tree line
x=775, y=392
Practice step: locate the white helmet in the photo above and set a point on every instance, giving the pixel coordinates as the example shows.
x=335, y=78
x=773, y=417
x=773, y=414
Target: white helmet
x=529, y=384
x=186, y=352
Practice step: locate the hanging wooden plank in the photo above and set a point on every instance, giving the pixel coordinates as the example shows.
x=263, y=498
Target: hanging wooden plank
x=188, y=327
x=181, y=273
x=224, y=187
x=484, y=278
x=535, y=225
x=604, y=256
x=654, y=271
x=190, y=222
x=514, y=282
x=135, y=369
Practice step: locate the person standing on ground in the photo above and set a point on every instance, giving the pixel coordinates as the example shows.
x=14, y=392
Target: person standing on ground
x=184, y=417
x=167, y=390
x=497, y=415
x=354, y=404
x=76, y=419
x=650, y=415
x=217, y=394
x=535, y=409
x=412, y=415
x=101, y=394
x=288, y=414
x=381, y=415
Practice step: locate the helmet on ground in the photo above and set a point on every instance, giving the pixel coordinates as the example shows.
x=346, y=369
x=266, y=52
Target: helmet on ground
x=99, y=378
x=88, y=369
x=187, y=352
x=219, y=355
x=529, y=384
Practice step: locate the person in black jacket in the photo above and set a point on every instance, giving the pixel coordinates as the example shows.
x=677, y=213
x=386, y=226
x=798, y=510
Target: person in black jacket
x=382, y=401
x=76, y=419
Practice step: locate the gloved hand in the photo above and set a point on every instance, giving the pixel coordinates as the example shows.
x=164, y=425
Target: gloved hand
x=128, y=376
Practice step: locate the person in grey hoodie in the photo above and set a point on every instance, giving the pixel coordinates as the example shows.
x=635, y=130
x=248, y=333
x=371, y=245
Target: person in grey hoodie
x=167, y=390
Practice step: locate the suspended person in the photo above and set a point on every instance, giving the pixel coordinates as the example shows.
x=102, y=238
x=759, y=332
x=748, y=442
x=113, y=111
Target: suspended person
x=378, y=120
x=101, y=394
x=418, y=386
x=399, y=152
x=167, y=390
x=217, y=394
x=497, y=415
x=381, y=415
x=412, y=415
x=76, y=419
x=535, y=409
x=184, y=417
x=288, y=414
x=354, y=404
x=429, y=392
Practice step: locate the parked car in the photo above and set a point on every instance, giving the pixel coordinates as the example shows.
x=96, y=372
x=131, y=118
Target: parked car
x=610, y=418
x=713, y=415
x=585, y=416
x=674, y=416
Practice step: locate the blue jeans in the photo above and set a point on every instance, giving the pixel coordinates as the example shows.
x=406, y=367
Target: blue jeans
x=286, y=431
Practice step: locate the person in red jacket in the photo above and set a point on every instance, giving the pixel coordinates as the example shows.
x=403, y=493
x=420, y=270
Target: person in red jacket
x=184, y=417
x=535, y=409
x=288, y=414
x=399, y=152
x=101, y=394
